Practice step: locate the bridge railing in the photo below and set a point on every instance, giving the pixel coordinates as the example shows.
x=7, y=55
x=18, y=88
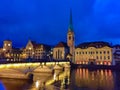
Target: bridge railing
x=4, y=61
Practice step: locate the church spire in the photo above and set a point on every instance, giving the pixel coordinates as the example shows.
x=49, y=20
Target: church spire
x=70, y=28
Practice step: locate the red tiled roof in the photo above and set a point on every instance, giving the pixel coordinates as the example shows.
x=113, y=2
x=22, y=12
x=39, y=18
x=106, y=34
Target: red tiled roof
x=62, y=44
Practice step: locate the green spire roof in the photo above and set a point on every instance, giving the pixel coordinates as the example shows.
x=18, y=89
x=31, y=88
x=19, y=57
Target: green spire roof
x=70, y=28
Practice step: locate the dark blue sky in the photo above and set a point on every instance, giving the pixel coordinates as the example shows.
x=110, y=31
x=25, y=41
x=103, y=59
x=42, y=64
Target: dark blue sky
x=46, y=21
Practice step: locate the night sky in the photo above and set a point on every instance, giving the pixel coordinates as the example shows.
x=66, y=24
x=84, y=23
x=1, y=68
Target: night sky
x=46, y=21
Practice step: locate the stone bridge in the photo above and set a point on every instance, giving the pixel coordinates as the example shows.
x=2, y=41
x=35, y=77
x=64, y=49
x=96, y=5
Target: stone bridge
x=27, y=70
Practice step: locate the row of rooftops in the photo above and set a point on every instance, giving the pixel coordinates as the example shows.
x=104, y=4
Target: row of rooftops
x=37, y=45
x=85, y=45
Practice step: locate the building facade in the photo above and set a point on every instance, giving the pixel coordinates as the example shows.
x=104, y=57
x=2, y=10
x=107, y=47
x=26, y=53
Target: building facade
x=60, y=51
x=98, y=53
x=66, y=51
x=36, y=51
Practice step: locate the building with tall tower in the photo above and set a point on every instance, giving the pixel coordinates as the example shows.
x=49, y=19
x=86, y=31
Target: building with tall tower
x=71, y=37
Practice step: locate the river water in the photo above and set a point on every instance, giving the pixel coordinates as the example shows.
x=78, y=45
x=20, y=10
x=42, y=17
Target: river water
x=77, y=79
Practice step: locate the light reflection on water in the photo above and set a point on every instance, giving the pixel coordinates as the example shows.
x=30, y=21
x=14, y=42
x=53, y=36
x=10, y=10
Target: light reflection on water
x=78, y=79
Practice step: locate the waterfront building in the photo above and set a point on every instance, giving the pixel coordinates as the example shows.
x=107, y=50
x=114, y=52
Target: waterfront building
x=7, y=52
x=60, y=51
x=36, y=50
x=116, y=54
x=7, y=46
x=14, y=55
x=64, y=50
x=98, y=53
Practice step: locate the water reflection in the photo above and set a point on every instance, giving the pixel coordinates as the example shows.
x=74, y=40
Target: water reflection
x=59, y=80
x=94, y=80
x=78, y=79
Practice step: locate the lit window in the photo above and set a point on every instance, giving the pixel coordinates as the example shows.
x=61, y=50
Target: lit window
x=4, y=49
x=109, y=63
x=9, y=44
x=101, y=63
x=29, y=48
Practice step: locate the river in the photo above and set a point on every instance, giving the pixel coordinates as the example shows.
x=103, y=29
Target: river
x=77, y=79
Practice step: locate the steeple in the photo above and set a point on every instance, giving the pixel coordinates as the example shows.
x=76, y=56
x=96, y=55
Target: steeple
x=70, y=37
x=70, y=28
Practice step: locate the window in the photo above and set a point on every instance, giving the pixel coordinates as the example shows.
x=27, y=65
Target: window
x=108, y=52
x=83, y=52
x=79, y=52
x=104, y=52
x=76, y=52
x=104, y=57
x=100, y=57
x=100, y=52
x=96, y=52
x=97, y=57
x=9, y=44
x=86, y=52
x=69, y=37
x=108, y=57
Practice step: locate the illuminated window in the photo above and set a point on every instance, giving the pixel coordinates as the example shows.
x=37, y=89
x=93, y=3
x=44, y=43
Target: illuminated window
x=109, y=63
x=9, y=44
x=101, y=63
x=30, y=48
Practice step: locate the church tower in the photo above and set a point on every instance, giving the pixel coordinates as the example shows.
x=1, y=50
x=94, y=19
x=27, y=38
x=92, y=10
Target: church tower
x=71, y=37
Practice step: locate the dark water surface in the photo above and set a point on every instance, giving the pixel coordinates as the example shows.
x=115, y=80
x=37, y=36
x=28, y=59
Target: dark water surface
x=78, y=79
